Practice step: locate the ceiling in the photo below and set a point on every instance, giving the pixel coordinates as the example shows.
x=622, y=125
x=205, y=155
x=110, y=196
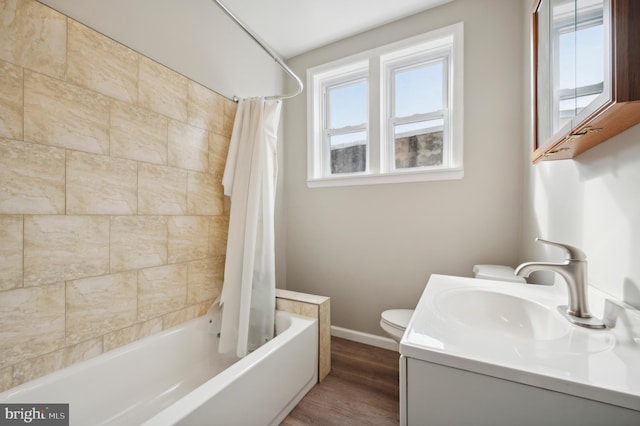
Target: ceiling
x=194, y=37
x=293, y=27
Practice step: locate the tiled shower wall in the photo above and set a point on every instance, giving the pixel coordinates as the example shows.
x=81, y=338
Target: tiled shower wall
x=113, y=224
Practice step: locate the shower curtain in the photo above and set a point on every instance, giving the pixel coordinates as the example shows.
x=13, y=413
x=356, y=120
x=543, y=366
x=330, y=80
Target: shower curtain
x=248, y=293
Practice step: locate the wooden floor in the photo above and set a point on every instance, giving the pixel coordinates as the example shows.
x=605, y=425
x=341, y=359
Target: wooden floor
x=362, y=389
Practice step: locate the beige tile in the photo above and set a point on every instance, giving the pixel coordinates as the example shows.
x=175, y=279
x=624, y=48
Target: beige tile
x=82, y=351
x=46, y=364
x=101, y=64
x=205, y=279
x=298, y=308
x=100, y=305
x=138, y=242
x=205, y=108
x=11, y=100
x=131, y=334
x=218, y=235
x=174, y=318
x=11, y=249
x=161, y=290
x=161, y=190
x=138, y=134
x=188, y=147
x=97, y=184
x=301, y=297
x=204, y=194
x=201, y=308
x=226, y=205
x=324, y=323
x=230, y=108
x=33, y=36
x=188, y=238
x=184, y=315
x=61, y=248
x=31, y=178
x=31, y=322
x=64, y=115
x=6, y=378
x=41, y=366
x=162, y=90
x=218, y=151
x=310, y=305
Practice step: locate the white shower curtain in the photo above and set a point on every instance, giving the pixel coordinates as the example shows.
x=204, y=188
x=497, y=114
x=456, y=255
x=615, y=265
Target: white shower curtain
x=248, y=293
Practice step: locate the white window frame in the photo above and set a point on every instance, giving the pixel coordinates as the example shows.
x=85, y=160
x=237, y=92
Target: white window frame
x=391, y=65
x=327, y=131
x=376, y=65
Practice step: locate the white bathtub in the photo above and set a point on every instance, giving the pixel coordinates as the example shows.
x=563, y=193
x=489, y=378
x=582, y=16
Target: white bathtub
x=177, y=377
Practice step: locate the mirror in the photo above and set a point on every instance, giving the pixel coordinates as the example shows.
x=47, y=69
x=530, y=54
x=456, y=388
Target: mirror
x=573, y=61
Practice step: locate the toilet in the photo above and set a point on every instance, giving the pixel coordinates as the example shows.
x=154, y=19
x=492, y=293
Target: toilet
x=395, y=321
x=497, y=273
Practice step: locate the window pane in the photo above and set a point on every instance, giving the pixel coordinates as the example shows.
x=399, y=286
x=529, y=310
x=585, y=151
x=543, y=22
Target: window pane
x=419, y=144
x=347, y=105
x=348, y=152
x=419, y=90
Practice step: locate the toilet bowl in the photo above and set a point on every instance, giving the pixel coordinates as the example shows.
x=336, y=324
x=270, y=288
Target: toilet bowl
x=395, y=321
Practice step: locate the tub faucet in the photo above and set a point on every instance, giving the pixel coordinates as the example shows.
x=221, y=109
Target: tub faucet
x=574, y=272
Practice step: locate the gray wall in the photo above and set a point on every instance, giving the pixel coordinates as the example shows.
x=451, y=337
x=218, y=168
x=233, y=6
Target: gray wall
x=592, y=202
x=372, y=248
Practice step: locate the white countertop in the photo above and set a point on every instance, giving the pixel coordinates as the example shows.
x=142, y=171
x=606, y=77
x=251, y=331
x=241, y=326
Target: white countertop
x=593, y=364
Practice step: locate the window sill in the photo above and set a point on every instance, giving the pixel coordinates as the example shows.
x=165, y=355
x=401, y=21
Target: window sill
x=377, y=179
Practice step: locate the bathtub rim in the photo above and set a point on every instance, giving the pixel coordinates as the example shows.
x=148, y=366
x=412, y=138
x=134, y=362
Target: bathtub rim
x=9, y=395
x=184, y=406
x=98, y=359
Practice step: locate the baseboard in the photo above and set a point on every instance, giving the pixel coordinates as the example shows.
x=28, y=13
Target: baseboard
x=366, y=338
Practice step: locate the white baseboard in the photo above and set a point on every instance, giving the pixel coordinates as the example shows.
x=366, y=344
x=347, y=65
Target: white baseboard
x=366, y=338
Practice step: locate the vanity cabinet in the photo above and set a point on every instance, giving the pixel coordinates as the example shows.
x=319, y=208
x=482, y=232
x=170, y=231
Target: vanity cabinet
x=586, y=72
x=434, y=394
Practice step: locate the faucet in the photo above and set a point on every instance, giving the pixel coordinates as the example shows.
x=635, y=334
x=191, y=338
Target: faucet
x=574, y=272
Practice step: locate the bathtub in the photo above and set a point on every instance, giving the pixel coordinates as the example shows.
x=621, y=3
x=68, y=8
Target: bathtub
x=177, y=377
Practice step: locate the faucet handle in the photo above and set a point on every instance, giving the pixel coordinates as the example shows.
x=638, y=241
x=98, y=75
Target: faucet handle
x=571, y=253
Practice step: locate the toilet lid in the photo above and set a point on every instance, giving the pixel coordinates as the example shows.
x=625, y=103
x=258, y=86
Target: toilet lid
x=398, y=318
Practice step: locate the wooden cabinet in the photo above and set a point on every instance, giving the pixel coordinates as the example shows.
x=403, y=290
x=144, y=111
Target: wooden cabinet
x=586, y=69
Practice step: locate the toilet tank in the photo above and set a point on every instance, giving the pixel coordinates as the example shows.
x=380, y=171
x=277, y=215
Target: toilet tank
x=497, y=273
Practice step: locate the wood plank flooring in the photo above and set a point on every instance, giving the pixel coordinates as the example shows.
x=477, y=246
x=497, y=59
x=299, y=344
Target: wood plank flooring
x=361, y=389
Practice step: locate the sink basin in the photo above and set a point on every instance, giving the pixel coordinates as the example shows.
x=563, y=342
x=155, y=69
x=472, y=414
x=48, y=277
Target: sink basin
x=514, y=332
x=501, y=313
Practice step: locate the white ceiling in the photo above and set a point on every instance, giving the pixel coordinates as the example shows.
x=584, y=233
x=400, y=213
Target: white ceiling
x=196, y=39
x=293, y=27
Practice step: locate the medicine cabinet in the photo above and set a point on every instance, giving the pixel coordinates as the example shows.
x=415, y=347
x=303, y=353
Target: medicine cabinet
x=586, y=59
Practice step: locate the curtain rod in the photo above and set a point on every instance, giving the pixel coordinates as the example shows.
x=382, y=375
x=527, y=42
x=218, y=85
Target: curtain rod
x=270, y=51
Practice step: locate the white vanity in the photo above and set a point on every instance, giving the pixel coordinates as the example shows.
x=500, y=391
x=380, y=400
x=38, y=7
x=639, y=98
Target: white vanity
x=480, y=352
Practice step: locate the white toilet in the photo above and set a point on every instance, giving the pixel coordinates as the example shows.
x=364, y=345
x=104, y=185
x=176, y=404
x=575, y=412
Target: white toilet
x=395, y=321
x=497, y=273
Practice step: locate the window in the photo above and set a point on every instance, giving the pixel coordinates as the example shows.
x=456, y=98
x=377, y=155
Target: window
x=392, y=114
x=345, y=128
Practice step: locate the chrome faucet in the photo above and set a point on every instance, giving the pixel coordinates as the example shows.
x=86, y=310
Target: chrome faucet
x=574, y=272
